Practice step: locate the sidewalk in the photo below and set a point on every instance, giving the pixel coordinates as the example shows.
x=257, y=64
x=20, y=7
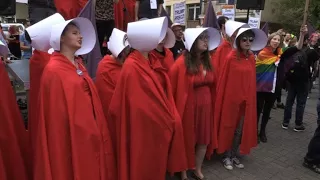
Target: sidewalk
x=279, y=159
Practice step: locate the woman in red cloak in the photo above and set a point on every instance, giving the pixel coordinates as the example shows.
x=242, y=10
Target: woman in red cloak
x=219, y=57
x=73, y=136
x=109, y=70
x=235, y=109
x=13, y=136
x=39, y=36
x=193, y=83
x=148, y=128
x=162, y=53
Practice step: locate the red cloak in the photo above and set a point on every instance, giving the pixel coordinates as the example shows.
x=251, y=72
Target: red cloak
x=182, y=89
x=73, y=137
x=107, y=75
x=236, y=86
x=148, y=128
x=13, y=136
x=220, y=55
x=37, y=63
x=166, y=60
x=122, y=18
x=69, y=9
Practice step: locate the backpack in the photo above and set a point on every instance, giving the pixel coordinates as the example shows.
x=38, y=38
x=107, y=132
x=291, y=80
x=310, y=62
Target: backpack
x=298, y=68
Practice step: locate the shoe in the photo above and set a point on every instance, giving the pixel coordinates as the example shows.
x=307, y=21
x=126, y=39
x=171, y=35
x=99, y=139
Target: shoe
x=280, y=105
x=227, y=163
x=299, y=128
x=285, y=126
x=312, y=167
x=237, y=163
x=263, y=137
x=194, y=176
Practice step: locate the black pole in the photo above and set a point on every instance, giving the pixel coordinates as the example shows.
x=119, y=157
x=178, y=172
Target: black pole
x=248, y=11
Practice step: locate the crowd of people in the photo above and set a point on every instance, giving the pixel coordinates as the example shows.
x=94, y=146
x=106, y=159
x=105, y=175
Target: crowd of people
x=161, y=100
x=16, y=41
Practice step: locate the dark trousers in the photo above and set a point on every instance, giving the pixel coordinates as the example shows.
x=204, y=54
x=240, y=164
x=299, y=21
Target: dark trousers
x=265, y=101
x=299, y=92
x=318, y=111
x=278, y=93
x=313, y=155
x=104, y=29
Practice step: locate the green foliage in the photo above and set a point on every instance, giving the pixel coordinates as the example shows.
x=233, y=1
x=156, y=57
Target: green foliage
x=290, y=13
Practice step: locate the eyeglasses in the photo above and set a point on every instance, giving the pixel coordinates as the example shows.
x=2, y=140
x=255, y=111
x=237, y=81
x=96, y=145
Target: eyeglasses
x=204, y=37
x=245, y=39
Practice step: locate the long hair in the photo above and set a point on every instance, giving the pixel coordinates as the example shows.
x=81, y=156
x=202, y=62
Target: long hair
x=271, y=36
x=193, y=63
x=239, y=49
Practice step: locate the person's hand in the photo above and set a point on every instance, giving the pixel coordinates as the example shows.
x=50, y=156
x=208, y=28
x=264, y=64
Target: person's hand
x=136, y=18
x=115, y=1
x=304, y=30
x=6, y=61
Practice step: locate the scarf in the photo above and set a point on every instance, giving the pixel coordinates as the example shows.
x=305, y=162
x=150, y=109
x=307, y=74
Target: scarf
x=266, y=69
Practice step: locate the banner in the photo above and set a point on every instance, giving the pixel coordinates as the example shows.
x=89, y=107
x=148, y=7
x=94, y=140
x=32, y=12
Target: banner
x=179, y=11
x=228, y=11
x=254, y=22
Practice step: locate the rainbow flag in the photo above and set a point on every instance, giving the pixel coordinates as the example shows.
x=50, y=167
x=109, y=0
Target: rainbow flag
x=266, y=69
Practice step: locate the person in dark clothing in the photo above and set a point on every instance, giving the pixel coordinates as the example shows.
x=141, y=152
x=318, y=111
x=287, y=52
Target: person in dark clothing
x=221, y=22
x=298, y=84
x=105, y=21
x=179, y=46
x=148, y=9
x=312, y=158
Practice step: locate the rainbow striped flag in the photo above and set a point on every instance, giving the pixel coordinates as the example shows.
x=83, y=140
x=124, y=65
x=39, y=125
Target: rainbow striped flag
x=266, y=69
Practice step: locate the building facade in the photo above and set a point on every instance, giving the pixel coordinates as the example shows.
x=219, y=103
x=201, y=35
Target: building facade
x=194, y=14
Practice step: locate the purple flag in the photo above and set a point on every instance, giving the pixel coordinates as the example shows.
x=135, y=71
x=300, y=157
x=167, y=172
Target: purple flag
x=94, y=57
x=210, y=20
x=165, y=14
x=265, y=28
x=311, y=29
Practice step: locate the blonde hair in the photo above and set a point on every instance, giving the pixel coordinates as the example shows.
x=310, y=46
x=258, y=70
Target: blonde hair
x=271, y=36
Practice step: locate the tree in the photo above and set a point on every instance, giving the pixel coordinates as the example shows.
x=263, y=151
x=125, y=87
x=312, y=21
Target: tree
x=290, y=13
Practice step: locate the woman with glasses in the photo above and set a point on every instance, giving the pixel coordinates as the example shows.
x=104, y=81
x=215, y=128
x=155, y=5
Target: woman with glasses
x=235, y=107
x=194, y=85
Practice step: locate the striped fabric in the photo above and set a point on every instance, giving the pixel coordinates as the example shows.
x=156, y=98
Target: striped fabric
x=266, y=69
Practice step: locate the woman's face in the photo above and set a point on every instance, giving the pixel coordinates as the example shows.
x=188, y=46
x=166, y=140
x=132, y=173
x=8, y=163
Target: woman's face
x=275, y=41
x=246, y=40
x=72, y=37
x=202, y=42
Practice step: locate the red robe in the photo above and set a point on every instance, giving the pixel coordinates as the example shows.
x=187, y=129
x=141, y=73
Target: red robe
x=123, y=18
x=13, y=136
x=37, y=63
x=166, y=60
x=182, y=88
x=236, y=86
x=148, y=127
x=69, y=8
x=220, y=55
x=73, y=139
x=107, y=76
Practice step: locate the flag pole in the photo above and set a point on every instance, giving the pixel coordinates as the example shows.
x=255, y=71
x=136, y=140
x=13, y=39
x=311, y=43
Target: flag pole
x=306, y=8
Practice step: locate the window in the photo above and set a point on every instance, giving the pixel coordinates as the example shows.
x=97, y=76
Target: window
x=193, y=11
x=168, y=9
x=222, y=1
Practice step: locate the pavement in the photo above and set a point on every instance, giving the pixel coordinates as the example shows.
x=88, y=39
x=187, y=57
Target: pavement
x=280, y=158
